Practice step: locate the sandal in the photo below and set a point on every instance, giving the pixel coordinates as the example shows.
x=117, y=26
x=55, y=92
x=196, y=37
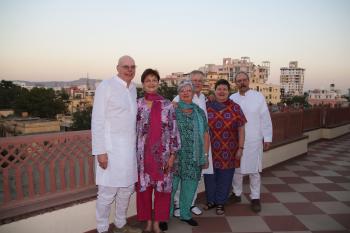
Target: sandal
x=220, y=210
x=209, y=205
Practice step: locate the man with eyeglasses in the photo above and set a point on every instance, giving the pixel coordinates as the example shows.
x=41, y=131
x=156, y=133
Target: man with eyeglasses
x=113, y=145
x=258, y=137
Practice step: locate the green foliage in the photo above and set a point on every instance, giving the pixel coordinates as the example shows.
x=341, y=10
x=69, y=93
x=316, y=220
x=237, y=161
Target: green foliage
x=40, y=102
x=82, y=119
x=63, y=95
x=9, y=92
x=297, y=100
x=166, y=91
x=139, y=92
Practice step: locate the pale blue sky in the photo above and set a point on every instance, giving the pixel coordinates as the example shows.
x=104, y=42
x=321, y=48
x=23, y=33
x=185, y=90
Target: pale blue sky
x=65, y=39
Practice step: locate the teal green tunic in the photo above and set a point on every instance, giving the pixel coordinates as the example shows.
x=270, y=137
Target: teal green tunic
x=190, y=157
x=189, y=164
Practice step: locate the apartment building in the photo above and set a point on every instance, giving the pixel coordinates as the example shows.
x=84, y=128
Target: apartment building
x=258, y=75
x=292, y=80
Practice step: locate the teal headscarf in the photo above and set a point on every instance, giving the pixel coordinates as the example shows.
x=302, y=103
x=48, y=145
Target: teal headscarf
x=198, y=131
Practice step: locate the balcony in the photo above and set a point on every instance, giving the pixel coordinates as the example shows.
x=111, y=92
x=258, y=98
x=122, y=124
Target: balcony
x=47, y=181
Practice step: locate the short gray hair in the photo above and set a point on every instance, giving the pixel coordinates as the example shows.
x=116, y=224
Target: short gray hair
x=184, y=83
x=243, y=73
x=195, y=72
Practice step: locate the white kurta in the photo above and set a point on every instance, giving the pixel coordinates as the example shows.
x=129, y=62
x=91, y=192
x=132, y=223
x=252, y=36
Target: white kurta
x=113, y=132
x=258, y=129
x=200, y=101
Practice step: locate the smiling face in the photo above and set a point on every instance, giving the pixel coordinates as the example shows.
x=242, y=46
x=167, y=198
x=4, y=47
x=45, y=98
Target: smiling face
x=126, y=68
x=221, y=93
x=186, y=94
x=150, y=84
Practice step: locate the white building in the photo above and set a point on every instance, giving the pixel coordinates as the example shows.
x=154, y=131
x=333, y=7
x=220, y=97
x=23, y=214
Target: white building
x=329, y=97
x=292, y=80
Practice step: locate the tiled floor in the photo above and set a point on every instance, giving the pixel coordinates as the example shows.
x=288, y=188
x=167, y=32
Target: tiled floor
x=308, y=194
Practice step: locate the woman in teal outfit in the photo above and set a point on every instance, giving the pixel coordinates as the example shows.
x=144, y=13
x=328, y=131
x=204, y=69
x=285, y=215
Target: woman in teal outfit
x=193, y=155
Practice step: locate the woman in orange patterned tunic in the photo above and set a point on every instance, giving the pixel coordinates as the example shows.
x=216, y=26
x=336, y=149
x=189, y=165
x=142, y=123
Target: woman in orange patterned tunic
x=226, y=127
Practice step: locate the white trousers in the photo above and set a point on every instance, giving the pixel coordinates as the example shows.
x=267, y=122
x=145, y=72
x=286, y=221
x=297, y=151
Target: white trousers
x=105, y=197
x=177, y=196
x=254, y=180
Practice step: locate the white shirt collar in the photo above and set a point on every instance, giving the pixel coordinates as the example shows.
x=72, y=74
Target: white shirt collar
x=122, y=82
x=246, y=93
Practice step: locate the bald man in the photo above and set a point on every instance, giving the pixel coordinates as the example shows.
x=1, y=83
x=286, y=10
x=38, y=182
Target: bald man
x=113, y=145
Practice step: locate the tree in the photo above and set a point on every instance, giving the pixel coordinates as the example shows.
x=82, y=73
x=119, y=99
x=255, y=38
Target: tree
x=82, y=119
x=139, y=92
x=40, y=102
x=63, y=95
x=9, y=92
x=297, y=100
x=166, y=91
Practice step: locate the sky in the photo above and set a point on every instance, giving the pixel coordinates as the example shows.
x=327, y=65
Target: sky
x=46, y=40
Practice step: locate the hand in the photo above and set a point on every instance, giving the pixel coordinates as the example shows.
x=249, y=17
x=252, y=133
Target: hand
x=267, y=145
x=102, y=160
x=211, y=97
x=239, y=154
x=205, y=166
x=169, y=164
x=175, y=104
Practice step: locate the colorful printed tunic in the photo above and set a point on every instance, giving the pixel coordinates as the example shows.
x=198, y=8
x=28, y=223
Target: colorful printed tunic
x=224, y=120
x=191, y=155
x=170, y=143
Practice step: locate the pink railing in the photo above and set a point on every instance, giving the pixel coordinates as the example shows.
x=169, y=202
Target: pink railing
x=286, y=126
x=42, y=171
x=336, y=116
x=38, y=167
x=312, y=119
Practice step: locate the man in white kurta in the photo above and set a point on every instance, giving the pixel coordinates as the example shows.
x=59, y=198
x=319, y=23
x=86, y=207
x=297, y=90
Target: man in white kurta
x=258, y=136
x=197, y=78
x=113, y=145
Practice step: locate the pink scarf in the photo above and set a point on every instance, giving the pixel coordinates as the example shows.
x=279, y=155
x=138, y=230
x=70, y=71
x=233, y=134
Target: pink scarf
x=153, y=145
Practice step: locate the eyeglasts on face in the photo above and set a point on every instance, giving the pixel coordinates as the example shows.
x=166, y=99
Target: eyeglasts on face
x=242, y=80
x=125, y=67
x=185, y=90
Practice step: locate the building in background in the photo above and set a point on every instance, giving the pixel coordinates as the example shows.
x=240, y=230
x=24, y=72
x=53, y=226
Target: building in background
x=292, y=80
x=331, y=97
x=6, y=112
x=258, y=75
x=174, y=78
x=27, y=125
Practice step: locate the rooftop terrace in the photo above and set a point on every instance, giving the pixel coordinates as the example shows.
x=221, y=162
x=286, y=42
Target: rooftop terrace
x=47, y=181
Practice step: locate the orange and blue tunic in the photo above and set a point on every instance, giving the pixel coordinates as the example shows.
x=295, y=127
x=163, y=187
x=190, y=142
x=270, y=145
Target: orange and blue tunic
x=224, y=120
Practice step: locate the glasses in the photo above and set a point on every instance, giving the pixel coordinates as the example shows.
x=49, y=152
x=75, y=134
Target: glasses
x=242, y=80
x=185, y=90
x=125, y=67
